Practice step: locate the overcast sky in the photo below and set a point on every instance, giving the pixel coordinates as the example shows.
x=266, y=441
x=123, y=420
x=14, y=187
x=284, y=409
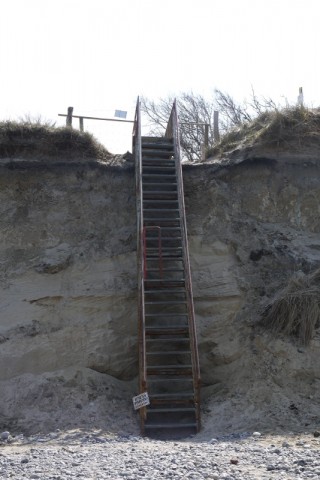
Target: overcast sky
x=98, y=55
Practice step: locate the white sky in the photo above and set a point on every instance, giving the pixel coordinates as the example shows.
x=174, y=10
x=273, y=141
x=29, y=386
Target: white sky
x=98, y=55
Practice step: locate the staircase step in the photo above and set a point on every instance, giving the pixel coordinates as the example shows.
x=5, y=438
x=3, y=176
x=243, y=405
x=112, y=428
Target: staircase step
x=164, y=302
x=171, y=228
x=158, y=163
x=176, y=330
x=165, y=258
x=164, y=426
x=165, y=250
x=165, y=280
x=153, y=253
x=146, y=210
x=171, y=396
x=155, y=219
x=166, y=314
x=165, y=292
x=160, y=201
x=161, y=142
x=170, y=410
x=171, y=368
x=166, y=270
x=159, y=193
x=169, y=425
x=176, y=340
x=160, y=219
x=159, y=175
x=157, y=146
x=162, y=353
x=158, y=184
x=163, y=239
x=179, y=379
x=160, y=152
x=158, y=167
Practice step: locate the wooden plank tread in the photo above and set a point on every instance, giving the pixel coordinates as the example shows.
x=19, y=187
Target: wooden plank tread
x=166, y=315
x=166, y=270
x=176, y=340
x=170, y=410
x=158, y=167
x=166, y=175
x=160, y=201
x=169, y=425
x=165, y=302
x=146, y=210
x=168, y=367
x=169, y=378
x=159, y=185
x=175, y=352
x=146, y=218
x=165, y=292
x=171, y=396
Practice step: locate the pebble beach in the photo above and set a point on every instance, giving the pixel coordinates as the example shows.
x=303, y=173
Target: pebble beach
x=96, y=455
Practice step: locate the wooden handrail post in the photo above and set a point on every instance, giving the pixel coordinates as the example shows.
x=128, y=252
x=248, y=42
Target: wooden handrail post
x=69, y=117
x=216, y=133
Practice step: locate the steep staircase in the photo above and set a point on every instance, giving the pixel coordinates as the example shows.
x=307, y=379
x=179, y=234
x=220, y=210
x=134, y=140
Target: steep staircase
x=168, y=356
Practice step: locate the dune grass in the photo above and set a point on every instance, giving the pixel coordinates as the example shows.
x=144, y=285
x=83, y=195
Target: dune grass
x=290, y=128
x=27, y=138
x=296, y=310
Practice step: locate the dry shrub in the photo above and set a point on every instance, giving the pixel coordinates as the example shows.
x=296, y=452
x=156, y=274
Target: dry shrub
x=296, y=310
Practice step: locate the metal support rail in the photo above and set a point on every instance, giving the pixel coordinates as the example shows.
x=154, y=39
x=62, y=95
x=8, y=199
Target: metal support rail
x=172, y=131
x=141, y=260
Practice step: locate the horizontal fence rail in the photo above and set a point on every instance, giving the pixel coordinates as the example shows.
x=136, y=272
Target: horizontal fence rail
x=69, y=116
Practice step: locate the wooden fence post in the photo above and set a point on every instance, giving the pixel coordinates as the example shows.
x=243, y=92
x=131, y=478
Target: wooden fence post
x=206, y=136
x=204, y=147
x=216, y=133
x=69, y=117
x=300, y=97
x=81, y=124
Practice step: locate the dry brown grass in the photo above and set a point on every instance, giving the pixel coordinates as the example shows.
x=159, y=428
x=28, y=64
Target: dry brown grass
x=32, y=138
x=296, y=310
x=291, y=128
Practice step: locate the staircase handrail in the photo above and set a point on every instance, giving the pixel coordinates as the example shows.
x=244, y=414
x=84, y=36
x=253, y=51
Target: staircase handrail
x=172, y=131
x=141, y=310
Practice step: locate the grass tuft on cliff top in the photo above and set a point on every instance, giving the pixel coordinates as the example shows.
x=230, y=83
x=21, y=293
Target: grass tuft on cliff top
x=292, y=128
x=296, y=309
x=26, y=138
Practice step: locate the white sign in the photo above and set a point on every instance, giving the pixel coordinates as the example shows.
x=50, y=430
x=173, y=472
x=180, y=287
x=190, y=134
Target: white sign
x=120, y=114
x=141, y=400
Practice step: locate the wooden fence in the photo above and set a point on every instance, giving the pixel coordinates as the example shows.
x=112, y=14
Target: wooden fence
x=69, y=117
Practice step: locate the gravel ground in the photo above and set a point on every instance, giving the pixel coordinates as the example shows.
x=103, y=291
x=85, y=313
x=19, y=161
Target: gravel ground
x=96, y=455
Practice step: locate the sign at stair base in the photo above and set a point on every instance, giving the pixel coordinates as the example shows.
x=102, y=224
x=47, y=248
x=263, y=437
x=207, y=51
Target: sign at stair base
x=141, y=400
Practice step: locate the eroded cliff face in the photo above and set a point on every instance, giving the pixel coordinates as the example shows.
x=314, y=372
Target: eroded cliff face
x=68, y=328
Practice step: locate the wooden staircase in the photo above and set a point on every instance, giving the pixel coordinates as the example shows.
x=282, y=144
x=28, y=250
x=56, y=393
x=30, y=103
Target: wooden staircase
x=168, y=355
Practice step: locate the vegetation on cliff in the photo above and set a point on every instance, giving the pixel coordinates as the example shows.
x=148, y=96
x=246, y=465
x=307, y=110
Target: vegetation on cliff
x=291, y=129
x=27, y=138
x=296, y=309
